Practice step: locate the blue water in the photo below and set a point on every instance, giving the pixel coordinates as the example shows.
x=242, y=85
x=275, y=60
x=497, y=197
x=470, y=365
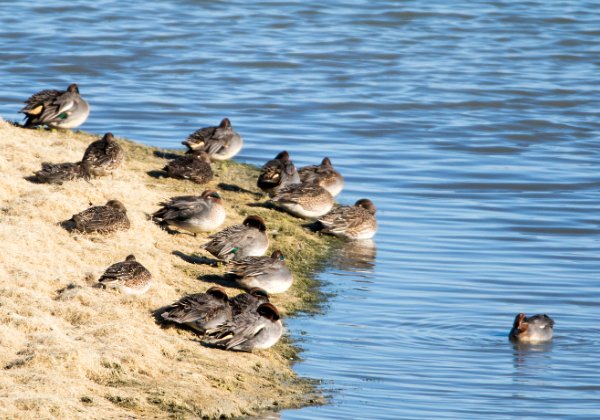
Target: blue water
x=473, y=126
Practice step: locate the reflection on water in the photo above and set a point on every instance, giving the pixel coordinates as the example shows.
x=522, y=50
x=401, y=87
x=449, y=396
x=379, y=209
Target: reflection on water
x=530, y=358
x=472, y=125
x=354, y=256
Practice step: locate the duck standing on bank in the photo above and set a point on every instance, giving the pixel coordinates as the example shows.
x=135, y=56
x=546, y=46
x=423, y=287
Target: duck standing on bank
x=221, y=142
x=192, y=213
x=324, y=175
x=534, y=329
x=130, y=276
x=103, y=156
x=200, y=311
x=108, y=218
x=351, y=222
x=194, y=166
x=55, y=108
x=248, y=331
x=277, y=173
x=238, y=241
x=267, y=273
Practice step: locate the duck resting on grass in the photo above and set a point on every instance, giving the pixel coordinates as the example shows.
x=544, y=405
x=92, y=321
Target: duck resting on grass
x=195, y=214
x=221, y=142
x=55, y=108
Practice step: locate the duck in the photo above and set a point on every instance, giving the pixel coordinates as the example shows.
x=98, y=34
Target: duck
x=103, y=156
x=267, y=273
x=57, y=173
x=55, y=108
x=200, y=311
x=194, y=166
x=534, y=329
x=192, y=213
x=221, y=142
x=238, y=241
x=130, y=276
x=248, y=301
x=324, y=175
x=351, y=222
x=277, y=173
x=248, y=331
x=308, y=201
x=108, y=218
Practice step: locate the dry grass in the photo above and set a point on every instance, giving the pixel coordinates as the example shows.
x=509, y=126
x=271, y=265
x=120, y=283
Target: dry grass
x=72, y=351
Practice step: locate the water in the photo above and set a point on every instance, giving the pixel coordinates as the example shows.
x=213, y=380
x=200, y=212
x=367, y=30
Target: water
x=472, y=125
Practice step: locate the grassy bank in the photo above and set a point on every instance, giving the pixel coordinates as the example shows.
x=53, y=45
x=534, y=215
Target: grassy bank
x=72, y=351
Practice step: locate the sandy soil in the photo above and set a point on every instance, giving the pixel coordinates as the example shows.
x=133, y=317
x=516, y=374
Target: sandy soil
x=69, y=350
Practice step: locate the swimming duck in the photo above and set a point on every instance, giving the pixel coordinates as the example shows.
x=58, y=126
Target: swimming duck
x=534, y=329
x=102, y=219
x=249, y=331
x=249, y=301
x=130, y=276
x=192, y=213
x=268, y=273
x=277, y=173
x=57, y=173
x=304, y=200
x=194, y=166
x=239, y=241
x=324, y=175
x=200, y=311
x=351, y=222
x=221, y=142
x=55, y=108
x=103, y=156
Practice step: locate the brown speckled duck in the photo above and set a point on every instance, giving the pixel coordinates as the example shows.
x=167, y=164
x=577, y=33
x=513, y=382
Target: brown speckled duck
x=108, y=218
x=221, y=142
x=351, y=222
x=304, y=200
x=57, y=173
x=55, y=108
x=277, y=173
x=130, y=276
x=194, y=166
x=324, y=175
x=103, y=156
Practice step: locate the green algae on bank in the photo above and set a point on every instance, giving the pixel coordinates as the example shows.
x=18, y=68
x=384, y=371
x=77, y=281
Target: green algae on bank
x=70, y=350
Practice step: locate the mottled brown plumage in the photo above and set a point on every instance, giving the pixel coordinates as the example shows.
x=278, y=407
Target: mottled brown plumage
x=324, y=175
x=129, y=275
x=108, y=218
x=351, y=222
x=277, y=173
x=103, y=156
x=57, y=173
x=194, y=166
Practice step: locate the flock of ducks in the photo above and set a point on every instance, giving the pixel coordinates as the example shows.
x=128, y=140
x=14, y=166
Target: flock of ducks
x=247, y=321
